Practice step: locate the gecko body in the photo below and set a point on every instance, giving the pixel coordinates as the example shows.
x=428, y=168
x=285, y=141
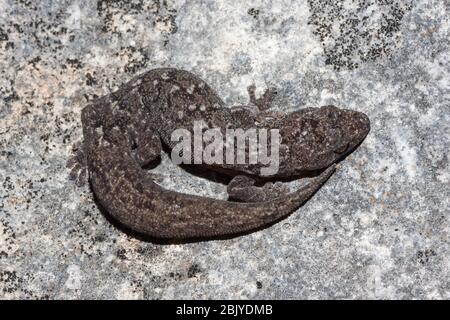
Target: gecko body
x=125, y=130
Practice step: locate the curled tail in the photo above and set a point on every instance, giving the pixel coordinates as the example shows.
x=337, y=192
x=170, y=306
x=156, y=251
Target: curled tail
x=131, y=197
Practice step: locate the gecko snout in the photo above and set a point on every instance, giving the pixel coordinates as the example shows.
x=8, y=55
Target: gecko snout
x=356, y=126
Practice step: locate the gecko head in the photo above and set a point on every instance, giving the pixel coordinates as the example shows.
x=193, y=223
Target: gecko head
x=321, y=136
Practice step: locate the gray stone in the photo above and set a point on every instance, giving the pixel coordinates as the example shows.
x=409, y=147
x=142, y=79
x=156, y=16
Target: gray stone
x=379, y=228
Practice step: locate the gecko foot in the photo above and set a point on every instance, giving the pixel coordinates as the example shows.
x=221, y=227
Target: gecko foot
x=243, y=188
x=77, y=165
x=265, y=101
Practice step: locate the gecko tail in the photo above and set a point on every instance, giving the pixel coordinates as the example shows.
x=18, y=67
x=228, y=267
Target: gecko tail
x=297, y=198
x=270, y=212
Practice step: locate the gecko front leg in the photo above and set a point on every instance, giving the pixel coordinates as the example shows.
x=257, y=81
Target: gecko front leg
x=265, y=101
x=243, y=188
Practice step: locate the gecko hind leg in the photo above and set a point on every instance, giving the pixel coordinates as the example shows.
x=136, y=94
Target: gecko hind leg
x=148, y=148
x=243, y=188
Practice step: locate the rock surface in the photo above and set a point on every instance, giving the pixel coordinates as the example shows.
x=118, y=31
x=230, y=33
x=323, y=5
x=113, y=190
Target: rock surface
x=379, y=228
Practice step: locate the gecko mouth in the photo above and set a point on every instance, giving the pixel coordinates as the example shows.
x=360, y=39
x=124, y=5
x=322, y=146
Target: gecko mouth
x=357, y=126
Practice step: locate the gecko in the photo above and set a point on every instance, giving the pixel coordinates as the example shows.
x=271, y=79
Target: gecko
x=126, y=130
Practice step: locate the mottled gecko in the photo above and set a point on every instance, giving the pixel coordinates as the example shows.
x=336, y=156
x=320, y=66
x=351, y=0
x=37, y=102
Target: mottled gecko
x=125, y=130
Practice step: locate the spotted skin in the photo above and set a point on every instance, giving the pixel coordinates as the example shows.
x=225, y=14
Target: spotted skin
x=125, y=130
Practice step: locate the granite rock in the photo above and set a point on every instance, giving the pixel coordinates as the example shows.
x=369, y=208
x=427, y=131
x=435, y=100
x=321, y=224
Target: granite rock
x=379, y=228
